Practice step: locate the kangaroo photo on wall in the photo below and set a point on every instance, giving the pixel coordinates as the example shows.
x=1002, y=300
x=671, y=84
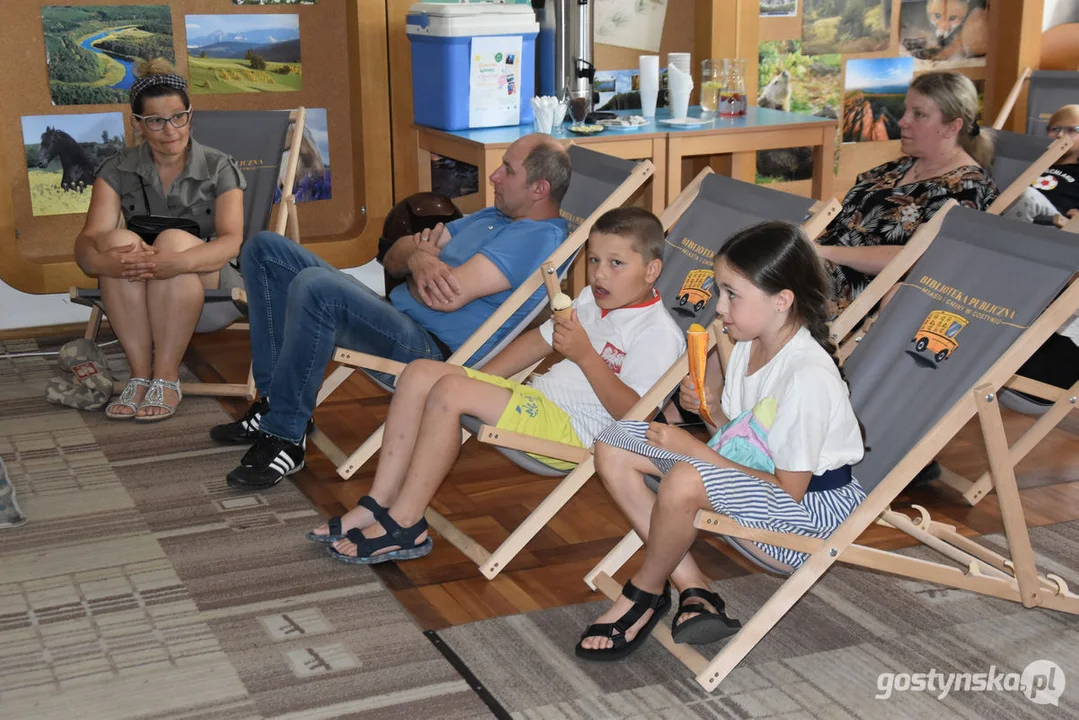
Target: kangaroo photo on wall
x=91, y=50
x=944, y=33
x=63, y=153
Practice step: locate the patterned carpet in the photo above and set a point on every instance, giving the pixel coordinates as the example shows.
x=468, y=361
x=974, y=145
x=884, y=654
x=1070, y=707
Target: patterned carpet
x=143, y=587
x=824, y=660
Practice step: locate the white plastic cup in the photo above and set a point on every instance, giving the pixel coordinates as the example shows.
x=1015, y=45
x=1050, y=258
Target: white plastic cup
x=679, y=60
x=679, y=105
x=649, y=70
x=649, y=96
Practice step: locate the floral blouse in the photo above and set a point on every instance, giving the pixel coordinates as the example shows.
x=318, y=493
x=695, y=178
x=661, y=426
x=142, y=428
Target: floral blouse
x=880, y=211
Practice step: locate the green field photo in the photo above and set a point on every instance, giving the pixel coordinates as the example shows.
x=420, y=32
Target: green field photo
x=209, y=76
x=243, y=53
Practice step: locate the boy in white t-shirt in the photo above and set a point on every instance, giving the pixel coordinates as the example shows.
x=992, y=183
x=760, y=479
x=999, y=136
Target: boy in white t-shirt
x=617, y=342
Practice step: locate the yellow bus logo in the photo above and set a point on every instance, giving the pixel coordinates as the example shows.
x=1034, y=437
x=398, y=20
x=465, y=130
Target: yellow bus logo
x=937, y=334
x=697, y=288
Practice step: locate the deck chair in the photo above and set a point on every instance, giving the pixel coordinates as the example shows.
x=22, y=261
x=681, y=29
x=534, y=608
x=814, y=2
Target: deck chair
x=913, y=397
x=1048, y=90
x=598, y=183
x=256, y=140
x=710, y=202
x=1020, y=160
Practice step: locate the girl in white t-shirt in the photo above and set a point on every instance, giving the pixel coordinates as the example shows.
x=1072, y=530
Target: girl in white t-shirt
x=773, y=304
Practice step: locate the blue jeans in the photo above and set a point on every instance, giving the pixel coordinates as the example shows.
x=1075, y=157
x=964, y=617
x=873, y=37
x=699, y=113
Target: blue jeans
x=299, y=309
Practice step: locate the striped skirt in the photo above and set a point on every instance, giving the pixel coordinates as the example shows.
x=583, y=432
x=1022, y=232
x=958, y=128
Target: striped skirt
x=749, y=501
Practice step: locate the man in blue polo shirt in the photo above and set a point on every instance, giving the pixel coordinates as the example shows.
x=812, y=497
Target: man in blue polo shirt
x=300, y=307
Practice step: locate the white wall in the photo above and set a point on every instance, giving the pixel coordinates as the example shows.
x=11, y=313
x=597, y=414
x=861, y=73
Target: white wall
x=1058, y=12
x=19, y=309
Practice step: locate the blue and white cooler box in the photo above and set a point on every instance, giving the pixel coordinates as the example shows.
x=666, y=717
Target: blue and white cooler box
x=473, y=64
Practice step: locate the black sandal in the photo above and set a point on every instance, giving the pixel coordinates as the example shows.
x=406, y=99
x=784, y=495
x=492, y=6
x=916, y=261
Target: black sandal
x=707, y=626
x=642, y=601
x=404, y=538
x=336, y=531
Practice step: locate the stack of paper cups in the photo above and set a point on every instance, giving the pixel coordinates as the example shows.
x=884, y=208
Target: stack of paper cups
x=680, y=61
x=649, y=84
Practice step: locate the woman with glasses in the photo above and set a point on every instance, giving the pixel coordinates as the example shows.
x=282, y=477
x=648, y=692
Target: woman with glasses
x=153, y=293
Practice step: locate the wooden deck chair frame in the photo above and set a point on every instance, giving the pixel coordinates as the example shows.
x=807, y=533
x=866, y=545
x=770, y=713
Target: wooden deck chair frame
x=286, y=222
x=982, y=571
x=1013, y=97
x=492, y=563
x=351, y=360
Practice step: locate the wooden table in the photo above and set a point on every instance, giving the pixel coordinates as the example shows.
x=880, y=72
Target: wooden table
x=665, y=145
x=484, y=148
x=741, y=138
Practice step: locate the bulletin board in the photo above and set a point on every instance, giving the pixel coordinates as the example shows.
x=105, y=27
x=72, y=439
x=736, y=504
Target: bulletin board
x=344, y=61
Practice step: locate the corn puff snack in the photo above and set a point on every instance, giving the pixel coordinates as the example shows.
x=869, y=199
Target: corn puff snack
x=697, y=342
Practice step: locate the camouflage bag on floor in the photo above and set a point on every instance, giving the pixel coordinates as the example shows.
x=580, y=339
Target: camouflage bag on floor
x=89, y=386
x=10, y=514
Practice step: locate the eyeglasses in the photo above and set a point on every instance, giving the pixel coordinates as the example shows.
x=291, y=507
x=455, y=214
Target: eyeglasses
x=1066, y=129
x=157, y=123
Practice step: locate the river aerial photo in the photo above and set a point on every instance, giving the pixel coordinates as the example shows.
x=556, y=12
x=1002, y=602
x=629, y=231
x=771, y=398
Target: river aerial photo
x=92, y=50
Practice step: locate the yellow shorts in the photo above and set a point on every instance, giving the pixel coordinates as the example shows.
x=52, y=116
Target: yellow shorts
x=530, y=412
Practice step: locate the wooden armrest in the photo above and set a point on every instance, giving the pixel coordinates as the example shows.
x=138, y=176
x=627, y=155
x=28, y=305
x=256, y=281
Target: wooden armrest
x=527, y=443
x=1042, y=390
x=239, y=295
x=367, y=361
x=723, y=525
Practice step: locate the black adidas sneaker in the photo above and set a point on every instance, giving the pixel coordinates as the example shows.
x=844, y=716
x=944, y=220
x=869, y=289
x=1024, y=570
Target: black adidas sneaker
x=269, y=459
x=245, y=430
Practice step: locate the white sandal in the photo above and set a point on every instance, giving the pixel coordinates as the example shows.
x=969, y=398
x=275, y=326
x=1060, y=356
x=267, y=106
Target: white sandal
x=155, y=398
x=127, y=399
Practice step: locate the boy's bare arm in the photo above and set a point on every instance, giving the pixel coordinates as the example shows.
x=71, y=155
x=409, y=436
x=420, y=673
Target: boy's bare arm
x=528, y=348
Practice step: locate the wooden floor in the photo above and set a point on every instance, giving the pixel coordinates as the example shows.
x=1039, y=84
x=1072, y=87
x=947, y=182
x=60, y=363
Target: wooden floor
x=487, y=496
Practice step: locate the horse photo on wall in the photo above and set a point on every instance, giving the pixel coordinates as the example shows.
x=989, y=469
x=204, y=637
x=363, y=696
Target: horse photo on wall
x=313, y=180
x=63, y=153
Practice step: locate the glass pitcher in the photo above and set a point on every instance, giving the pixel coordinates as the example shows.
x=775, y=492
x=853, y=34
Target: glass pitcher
x=711, y=85
x=732, y=98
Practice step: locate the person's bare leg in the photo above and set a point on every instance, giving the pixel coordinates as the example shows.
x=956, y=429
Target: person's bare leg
x=174, y=306
x=399, y=438
x=671, y=533
x=125, y=307
x=452, y=396
x=622, y=473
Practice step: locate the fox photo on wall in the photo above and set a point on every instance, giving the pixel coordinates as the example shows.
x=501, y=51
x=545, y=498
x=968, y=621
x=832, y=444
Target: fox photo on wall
x=944, y=33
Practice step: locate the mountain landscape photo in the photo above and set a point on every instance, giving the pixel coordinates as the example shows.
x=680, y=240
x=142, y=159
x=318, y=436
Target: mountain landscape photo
x=874, y=98
x=244, y=53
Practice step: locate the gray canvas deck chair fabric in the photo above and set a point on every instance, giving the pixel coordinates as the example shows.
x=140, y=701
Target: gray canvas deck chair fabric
x=598, y=183
x=1020, y=160
x=718, y=206
x=972, y=309
x=1049, y=90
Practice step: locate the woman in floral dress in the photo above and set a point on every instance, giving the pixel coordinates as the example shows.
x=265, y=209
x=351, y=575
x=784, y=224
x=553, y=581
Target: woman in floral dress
x=945, y=156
